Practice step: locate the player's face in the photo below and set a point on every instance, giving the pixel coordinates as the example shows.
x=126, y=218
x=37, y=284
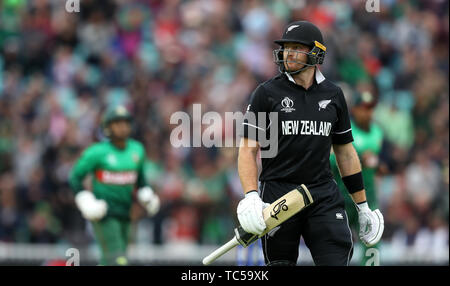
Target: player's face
x=363, y=114
x=294, y=55
x=120, y=129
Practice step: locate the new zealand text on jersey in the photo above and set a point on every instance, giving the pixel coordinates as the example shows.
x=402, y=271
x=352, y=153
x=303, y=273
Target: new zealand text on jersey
x=319, y=128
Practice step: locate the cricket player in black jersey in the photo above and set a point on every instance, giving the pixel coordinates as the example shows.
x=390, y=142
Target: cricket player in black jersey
x=312, y=119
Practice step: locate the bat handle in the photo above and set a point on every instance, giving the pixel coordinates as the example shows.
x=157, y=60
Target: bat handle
x=220, y=251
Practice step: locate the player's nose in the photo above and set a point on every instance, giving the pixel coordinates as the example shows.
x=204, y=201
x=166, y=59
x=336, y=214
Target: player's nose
x=292, y=54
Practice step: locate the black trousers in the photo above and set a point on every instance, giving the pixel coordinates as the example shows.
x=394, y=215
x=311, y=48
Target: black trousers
x=323, y=226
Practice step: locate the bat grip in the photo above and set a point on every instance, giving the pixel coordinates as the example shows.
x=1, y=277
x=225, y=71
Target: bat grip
x=220, y=251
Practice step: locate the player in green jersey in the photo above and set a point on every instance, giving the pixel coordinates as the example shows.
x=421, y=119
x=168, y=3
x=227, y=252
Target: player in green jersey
x=368, y=140
x=116, y=166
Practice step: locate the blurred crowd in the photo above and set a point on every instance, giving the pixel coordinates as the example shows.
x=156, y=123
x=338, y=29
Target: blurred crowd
x=59, y=71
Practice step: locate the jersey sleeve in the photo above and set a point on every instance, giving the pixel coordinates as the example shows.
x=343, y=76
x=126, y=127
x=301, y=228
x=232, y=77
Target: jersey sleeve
x=254, y=125
x=83, y=166
x=342, y=130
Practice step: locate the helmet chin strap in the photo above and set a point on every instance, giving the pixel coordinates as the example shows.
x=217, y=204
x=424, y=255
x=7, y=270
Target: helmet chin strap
x=299, y=70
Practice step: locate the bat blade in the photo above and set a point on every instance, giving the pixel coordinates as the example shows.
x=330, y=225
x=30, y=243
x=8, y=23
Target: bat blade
x=284, y=208
x=275, y=214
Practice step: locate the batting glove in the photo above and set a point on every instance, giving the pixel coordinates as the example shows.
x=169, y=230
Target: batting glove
x=250, y=215
x=147, y=197
x=371, y=224
x=90, y=207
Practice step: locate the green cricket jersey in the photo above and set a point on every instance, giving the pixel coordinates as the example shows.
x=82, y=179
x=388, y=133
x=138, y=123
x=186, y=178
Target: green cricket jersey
x=116, y=174
x=363, y=142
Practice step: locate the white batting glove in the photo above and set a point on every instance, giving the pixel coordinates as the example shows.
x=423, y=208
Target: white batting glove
x=90, y=207
x=250, y=215
x=371, y=225
x=147, y=197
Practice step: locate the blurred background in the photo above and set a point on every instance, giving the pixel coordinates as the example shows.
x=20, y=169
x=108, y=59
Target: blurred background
x=59, y=71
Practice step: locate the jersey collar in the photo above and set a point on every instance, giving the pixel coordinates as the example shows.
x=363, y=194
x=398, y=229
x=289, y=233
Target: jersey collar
x=318, y=75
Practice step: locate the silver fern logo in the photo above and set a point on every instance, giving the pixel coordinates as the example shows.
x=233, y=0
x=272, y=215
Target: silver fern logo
x=323, y=104
x=292, y=27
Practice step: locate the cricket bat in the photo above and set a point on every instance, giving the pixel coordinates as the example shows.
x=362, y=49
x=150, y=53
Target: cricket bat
x=275, y=214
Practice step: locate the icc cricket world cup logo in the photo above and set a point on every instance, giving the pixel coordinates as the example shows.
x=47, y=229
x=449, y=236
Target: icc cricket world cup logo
x=287, y=104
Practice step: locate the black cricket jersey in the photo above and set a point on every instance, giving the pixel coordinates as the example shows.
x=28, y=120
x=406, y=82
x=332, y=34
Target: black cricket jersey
x=309, y=122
